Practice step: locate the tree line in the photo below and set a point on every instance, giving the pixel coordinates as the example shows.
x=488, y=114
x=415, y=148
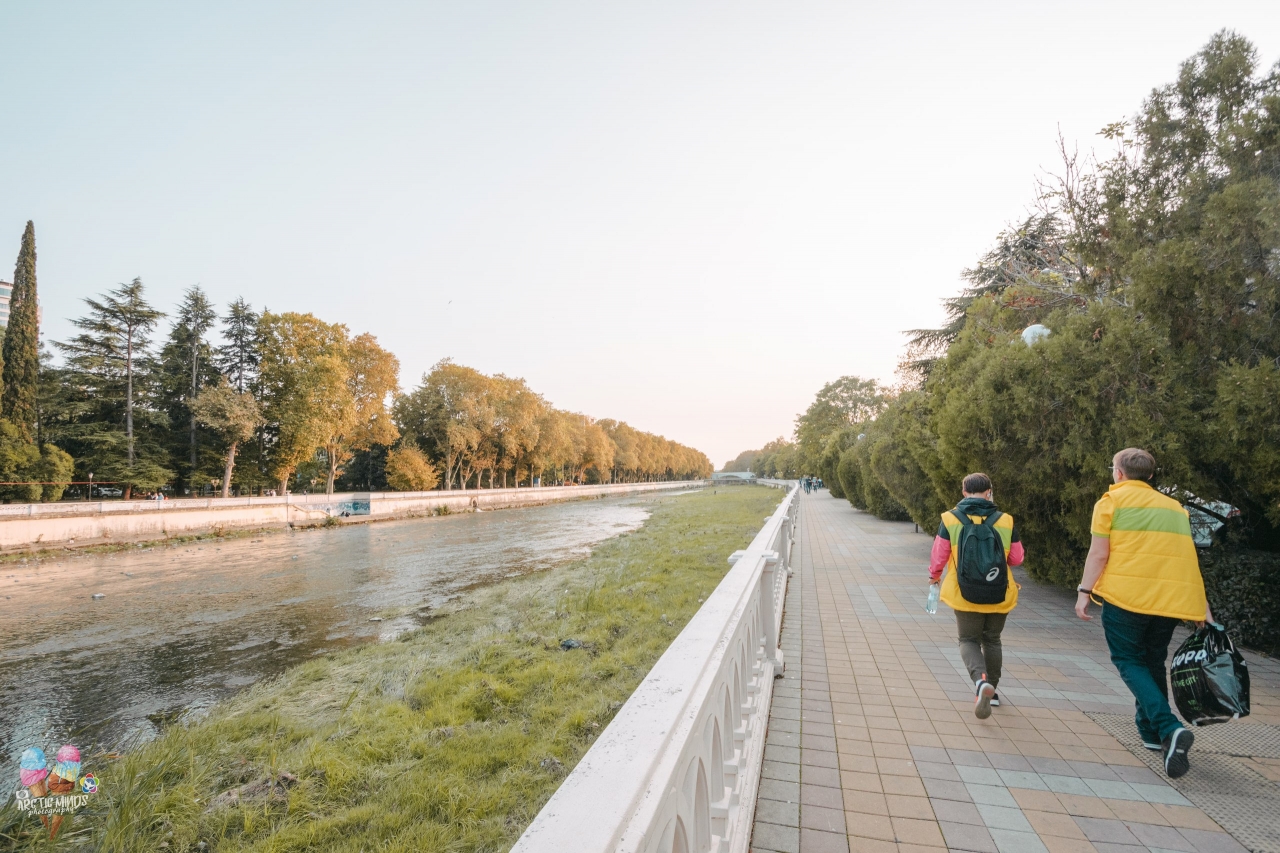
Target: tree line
x=1155, y=270
x=247, y=400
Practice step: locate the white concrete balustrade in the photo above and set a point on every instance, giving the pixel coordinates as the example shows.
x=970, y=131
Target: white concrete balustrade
x=678, y=768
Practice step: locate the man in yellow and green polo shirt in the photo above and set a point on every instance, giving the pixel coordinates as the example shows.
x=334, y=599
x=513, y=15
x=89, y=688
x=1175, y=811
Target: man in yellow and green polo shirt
x=1142, y=564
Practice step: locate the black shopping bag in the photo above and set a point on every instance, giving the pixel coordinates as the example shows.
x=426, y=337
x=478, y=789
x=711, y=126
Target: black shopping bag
x=1210, y=678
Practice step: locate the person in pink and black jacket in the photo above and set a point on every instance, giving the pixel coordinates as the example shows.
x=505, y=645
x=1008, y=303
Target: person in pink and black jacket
x=979, y=625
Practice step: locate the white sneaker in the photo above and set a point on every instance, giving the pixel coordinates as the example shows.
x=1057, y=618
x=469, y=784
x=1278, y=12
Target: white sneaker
x=982, y=704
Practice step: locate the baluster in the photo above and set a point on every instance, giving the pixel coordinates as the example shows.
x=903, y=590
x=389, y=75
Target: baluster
x=768, y=604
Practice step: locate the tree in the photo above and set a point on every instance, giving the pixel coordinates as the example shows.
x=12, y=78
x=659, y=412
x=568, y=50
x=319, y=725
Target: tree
x=1155, y=272
x=599, y=452
x=306, y=397
x=19, y=463
x=518, y=412
x=849, y=473
x=555, y=443
x=409, y=470
x=471, y=424
x=829, y=463
x=1182, y=222
x=778, y=459
x=51, y=390
x=238, y=358
x=21, y=371
x=741, y=462
x=625, y=440
x=186, y=365
x=373, y=378
x=847, y=401
x=57, y=467
x=234, y=415
x=447, y=416
x=903, y=452
x=1034, y=259
x=110, y=370
x=54, y=471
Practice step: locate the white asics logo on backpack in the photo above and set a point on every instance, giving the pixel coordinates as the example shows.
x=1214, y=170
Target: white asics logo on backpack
x=993, y=574
x=1188, y=657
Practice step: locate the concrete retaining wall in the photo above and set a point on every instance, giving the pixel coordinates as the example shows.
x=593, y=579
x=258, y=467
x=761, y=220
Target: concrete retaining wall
x=24, y=526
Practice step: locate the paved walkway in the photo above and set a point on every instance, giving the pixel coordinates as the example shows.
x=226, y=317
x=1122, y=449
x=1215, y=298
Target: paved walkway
x=873, y=745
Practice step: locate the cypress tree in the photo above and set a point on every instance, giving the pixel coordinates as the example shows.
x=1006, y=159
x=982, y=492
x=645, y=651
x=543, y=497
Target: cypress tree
x=21, y=371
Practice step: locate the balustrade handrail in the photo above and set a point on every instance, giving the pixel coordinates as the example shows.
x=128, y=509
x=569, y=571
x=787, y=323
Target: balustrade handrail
x=678, y=768
x=73, y=507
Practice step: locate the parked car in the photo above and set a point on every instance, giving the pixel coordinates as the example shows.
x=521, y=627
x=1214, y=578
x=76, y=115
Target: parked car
x=107, y=492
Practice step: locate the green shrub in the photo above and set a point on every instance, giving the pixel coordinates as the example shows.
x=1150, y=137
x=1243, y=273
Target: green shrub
x=1244, y=594
x=875, y=497
x=1044, y=421
x=829, y=464
x=850, y=477
x=902, y=440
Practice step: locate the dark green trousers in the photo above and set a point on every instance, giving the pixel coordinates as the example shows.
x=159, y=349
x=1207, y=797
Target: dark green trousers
x=1139, y=644
x=980, y=647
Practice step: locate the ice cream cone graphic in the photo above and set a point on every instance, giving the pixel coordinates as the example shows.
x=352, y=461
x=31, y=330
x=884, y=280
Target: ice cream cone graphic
x=58, y=785
x=33, y=772
x=62, y=781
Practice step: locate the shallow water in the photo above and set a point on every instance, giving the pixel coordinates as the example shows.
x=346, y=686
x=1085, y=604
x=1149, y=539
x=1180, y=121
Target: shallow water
x=181, y=627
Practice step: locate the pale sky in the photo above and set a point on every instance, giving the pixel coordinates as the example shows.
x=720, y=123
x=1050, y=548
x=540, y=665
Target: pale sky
x=688, y=216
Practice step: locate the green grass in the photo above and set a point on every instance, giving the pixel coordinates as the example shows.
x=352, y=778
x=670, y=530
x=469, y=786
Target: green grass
x=450, y=738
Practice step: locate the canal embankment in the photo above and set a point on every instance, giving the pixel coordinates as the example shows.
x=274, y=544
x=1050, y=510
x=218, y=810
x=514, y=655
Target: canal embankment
x=451, y=736
x=74, y=524
x=162, y=630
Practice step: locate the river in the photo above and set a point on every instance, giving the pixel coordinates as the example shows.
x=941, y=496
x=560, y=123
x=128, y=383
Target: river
x=179, y=627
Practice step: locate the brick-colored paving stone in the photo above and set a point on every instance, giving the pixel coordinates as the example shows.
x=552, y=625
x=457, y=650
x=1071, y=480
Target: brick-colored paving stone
x=872, y=740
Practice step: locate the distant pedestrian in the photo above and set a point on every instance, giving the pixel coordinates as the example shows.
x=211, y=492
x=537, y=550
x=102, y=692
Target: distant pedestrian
x=976, y=545
x=1142, y=564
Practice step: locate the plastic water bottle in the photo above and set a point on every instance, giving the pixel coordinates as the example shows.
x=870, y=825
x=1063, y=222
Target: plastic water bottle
x=931, y=604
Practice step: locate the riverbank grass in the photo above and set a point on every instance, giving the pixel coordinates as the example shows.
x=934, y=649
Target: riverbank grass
x=449, y=738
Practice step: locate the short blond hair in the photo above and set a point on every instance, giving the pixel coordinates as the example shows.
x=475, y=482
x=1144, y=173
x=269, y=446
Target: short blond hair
x=1136, y=463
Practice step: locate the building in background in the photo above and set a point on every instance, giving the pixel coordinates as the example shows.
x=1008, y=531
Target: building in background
x=6, y=295
x=724, y=477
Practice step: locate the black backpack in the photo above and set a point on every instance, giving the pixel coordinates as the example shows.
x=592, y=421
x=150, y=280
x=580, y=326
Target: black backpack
x=981, y=568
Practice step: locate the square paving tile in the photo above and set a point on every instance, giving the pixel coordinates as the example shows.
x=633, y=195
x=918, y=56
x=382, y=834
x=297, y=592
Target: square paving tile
x=1004, y=817
x=782, y=839
x=1099, y=829
x=815, y=841
x=963, y=836
x=825, y=819
x=776, y=789
x=874, y=826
